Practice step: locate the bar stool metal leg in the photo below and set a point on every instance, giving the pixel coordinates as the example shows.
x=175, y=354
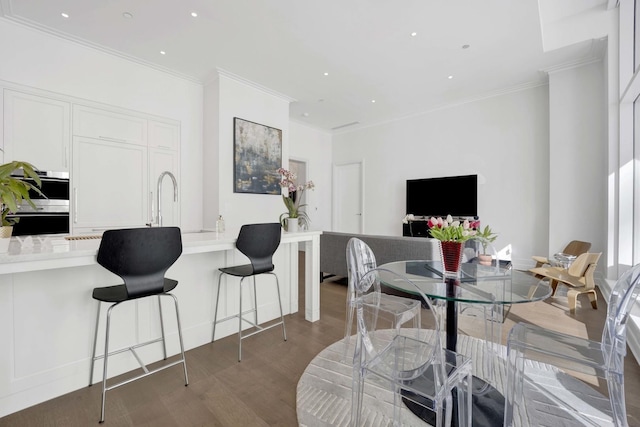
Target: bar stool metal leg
x=106, y=358
x=184, y=360
x=284, y=331
x=255, y=301
x=164, y=341
x=95, y=344
x=215, y=314
x=240, y=324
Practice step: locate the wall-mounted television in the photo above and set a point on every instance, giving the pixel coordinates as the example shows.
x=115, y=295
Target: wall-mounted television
x=451, y=195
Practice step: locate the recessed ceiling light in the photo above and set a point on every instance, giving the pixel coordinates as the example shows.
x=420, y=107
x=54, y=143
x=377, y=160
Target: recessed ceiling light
x=326, y=74
x=64, y=15
x=305, y=114
x=194, y=14
x=162, y=52
x=450, y=77
x=414, y=34
x=373, y=101
x=127, y=15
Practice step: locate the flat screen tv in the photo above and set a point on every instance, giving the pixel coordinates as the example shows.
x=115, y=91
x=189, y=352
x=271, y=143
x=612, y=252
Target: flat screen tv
x=451, y=195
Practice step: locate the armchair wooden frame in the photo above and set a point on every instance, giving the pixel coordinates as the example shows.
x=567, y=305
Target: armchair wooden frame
x=579, y=278
x=575, y=247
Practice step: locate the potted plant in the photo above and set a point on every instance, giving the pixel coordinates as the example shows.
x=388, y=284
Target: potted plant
x=14, y=191
x=452, y=234
x=485, y=236
x=295, y=215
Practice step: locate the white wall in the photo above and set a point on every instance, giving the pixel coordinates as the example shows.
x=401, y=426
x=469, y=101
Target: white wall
x=314, y=146
x=33, y=58
x=578, y=158
x=236, y=98
x=503, y=139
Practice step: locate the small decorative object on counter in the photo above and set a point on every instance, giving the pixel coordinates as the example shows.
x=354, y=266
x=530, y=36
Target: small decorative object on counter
x=291, y=225
x=220, y=225
x=295, y=215
x=485, y=236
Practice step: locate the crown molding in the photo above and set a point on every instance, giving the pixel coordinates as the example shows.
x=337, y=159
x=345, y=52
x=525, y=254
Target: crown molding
x=597, y=52
x=5, y=6
x=314, y=127
x=486, y=95
x=229, y=75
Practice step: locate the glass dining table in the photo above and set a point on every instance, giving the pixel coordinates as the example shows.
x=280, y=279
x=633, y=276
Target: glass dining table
x=490, y=286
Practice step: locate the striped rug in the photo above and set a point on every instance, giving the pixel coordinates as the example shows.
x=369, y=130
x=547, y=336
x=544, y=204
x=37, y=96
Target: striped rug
x=324, y=392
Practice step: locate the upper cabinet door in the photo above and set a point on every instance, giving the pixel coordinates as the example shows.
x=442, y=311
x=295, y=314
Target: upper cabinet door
x=37, y=130
x=109, y=125
x=109, y=182
x=164, y=135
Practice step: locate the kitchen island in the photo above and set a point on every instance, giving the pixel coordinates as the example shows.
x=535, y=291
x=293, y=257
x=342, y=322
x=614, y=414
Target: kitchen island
x=48, y=316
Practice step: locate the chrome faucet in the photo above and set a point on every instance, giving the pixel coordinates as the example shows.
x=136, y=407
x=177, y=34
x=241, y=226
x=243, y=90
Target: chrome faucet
x=159, y=191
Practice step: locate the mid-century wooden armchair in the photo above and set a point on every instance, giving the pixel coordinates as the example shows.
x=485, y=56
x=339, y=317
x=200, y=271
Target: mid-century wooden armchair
x=579, y=278
x=575, y=248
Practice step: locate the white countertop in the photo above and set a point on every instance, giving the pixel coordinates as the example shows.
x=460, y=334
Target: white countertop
x=30, y=253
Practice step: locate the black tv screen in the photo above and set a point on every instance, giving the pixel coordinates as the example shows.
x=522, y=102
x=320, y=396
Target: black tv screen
x=451, y=195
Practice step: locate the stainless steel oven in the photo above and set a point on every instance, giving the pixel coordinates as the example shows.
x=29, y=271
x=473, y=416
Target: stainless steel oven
x=51, y=214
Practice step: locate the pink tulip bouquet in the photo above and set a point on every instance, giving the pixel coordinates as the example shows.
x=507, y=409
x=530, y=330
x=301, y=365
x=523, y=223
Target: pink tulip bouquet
x=448, y=230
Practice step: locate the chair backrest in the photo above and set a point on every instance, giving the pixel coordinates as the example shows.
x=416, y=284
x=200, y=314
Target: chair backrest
x=259, y=242
x=360, y=260
x=584, y=267
x=375, y=333
x=576, y=247
x=140, y=256
x=614, y=336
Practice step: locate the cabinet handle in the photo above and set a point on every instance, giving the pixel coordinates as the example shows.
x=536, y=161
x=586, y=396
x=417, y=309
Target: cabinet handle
x=165, y=146
x=75, y=205
x=66, y=156
x=108, y=138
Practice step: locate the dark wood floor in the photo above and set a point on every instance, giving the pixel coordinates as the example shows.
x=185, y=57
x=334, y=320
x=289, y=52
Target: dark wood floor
x=261, y=390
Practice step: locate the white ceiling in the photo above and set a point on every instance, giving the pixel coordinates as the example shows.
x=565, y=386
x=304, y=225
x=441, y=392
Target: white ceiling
x=365, y=46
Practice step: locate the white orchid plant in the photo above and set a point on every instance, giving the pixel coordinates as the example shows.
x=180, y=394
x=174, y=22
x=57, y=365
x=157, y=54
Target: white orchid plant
x=293, y=197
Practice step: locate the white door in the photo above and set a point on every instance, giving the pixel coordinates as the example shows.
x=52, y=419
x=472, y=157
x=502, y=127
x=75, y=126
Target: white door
x=348, y=200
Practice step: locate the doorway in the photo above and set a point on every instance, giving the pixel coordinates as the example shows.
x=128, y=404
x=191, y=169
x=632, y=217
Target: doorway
x=348, y=198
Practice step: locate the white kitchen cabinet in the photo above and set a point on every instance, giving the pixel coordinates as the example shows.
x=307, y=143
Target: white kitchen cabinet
x=163, y=135
x=37, y=130
x=109, y=181
x=161, y=160
x=109, y=125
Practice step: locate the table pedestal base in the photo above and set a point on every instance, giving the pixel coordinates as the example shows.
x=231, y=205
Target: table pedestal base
x=487, y=410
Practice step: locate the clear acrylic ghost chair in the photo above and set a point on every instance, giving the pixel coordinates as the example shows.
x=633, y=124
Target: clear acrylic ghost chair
x=360, y=259
x=603, y=359
x=484, y=263
x=418, y=371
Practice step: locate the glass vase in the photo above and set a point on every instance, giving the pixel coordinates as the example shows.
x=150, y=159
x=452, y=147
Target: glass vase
x=451, y=254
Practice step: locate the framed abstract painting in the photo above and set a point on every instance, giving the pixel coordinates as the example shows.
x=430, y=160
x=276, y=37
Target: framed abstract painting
x=257, y=155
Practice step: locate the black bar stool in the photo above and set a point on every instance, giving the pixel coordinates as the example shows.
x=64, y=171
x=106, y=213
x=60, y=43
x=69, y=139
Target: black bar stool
x=258, y=242
x=141, y=257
